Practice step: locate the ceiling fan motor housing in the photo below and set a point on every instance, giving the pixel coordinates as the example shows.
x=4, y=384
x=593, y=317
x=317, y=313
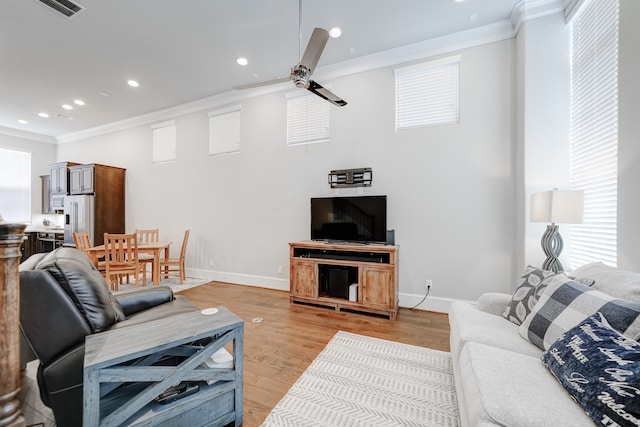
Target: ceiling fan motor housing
x=300, y=75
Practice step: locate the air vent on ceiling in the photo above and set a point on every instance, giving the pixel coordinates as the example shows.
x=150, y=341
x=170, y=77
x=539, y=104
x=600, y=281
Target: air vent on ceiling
x=65, y=7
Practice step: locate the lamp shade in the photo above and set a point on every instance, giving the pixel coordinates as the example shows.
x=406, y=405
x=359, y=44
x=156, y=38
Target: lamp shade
x=557, y=206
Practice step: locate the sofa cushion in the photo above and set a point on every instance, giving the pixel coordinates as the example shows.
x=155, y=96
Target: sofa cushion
x=511, y=389
x=524, y=298
x=77, y=276
x=469, y=324
x=600, y=368
x=565, y=303
x=179, y=305
x=610, y=280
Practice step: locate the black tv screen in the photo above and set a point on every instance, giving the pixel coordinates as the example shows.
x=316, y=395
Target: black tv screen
x=349, y=219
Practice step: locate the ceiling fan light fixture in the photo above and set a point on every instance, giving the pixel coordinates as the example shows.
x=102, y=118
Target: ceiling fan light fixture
x=133, y=83
x=67, y=107
x=23, y=122
x=43, y=115
x=79, y=102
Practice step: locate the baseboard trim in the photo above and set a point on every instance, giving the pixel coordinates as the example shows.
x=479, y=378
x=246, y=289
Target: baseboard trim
x=241, y=279
x=406, y=300
x=437, y=304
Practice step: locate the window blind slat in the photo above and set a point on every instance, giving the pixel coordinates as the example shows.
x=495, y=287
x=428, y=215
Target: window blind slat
x=427, y=94
x=594, y=130
x=15, y=186
x=224, y=131
x=308, y=119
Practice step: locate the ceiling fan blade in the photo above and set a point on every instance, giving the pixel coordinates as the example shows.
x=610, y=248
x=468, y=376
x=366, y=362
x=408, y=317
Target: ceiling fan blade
x=263, y=83
x=326, y=94
x=314, y=49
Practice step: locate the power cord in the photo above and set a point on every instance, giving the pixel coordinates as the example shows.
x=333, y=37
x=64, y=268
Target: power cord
x=425, y=297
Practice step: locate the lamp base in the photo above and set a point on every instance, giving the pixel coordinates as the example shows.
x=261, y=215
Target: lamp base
x=552, y=246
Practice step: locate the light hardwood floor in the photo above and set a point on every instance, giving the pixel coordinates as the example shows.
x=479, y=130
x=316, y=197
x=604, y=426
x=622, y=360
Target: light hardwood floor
x=279, y=349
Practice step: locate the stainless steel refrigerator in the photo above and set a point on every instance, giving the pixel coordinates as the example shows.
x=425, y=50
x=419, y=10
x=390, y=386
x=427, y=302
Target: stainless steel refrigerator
x=79, y=216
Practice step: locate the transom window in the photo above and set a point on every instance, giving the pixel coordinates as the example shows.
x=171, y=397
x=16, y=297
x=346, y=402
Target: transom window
x=15, y=186
x=427, y=94
x=308, y=118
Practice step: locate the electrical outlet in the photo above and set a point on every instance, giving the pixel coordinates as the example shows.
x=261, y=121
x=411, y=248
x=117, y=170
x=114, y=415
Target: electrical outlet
x=280, y=269
x=428, y=283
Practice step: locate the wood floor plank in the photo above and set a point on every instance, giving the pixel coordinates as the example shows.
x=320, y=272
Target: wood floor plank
x=281, y=347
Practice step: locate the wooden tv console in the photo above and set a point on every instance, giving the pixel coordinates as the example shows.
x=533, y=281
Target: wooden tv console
x=321, y=273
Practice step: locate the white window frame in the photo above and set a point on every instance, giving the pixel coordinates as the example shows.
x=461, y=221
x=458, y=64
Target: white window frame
x=15, y=185
x=224, y=130
x=594, y=129
x=163, y=142
x=428, y=94
x=308, y=118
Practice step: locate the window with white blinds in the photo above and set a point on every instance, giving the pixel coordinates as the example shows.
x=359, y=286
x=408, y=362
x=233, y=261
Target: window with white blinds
x=427, y=94
x=224, y=131
x=15, y=186
x=594, y=130
x=164, y=142
x=308, y=118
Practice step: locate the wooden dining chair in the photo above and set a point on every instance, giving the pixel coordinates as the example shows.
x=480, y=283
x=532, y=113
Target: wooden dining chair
x=176, y=265
x=83, y=243
x=121, y=259
x=147, y=236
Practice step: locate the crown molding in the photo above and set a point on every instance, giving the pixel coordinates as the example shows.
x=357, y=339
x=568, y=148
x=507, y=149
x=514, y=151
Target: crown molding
x=437, y=46
x=522, y=11
x=32, y=136
x=530, y=9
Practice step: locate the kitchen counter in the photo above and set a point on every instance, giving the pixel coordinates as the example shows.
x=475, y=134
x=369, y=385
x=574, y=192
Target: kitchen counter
x=42, y=229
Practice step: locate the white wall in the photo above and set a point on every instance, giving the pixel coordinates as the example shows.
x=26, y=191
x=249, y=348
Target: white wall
x=450, y=189
x=42, y=154
x=629, y=137
x=543, y=124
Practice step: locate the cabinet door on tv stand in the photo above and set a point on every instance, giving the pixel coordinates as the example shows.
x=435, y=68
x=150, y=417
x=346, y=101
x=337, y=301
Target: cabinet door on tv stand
x=377, y=287
x=303, y=279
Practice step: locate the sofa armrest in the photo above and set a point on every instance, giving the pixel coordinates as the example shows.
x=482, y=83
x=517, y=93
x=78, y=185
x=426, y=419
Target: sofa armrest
x=494, y=302
x=136, y=300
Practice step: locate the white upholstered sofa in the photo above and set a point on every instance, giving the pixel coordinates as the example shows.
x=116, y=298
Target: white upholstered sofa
x=500, y=378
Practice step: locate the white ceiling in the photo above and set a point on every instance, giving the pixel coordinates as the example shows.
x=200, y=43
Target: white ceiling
x=182, y=51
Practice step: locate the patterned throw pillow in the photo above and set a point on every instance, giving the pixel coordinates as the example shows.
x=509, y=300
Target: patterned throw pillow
x=600, y=368
x=524, y=298
x=565, y=303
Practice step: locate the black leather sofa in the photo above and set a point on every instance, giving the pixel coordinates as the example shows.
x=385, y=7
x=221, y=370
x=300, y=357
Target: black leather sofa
x=63, y=298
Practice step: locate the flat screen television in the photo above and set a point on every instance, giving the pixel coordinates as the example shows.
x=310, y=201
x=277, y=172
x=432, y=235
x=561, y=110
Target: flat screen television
x=361, y=219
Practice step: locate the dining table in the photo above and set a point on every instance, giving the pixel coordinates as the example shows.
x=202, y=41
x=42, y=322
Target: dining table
x=152, y=248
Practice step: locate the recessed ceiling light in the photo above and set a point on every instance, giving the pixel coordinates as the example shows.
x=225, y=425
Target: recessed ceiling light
x=67, y=107
x=78, y=102
x=133, y=83
x=104, y=93
x=43, y=115
x=335, y=32
x=23, y=122
x=242, y=61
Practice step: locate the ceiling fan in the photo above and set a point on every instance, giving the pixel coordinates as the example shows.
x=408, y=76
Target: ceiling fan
x=301, y=73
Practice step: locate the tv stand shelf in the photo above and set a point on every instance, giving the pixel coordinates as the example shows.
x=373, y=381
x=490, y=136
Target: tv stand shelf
x=321, y=273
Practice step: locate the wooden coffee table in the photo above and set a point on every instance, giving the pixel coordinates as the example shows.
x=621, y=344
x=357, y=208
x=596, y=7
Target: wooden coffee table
x=122, y=376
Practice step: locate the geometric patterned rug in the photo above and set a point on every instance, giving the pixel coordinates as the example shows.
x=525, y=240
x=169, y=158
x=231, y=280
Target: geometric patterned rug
x=363, y=381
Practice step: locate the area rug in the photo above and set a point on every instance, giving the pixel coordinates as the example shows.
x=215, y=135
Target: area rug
x=171, y=281
x=363, y=381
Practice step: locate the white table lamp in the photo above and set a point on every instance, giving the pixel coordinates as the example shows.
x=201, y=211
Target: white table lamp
x=556, y=206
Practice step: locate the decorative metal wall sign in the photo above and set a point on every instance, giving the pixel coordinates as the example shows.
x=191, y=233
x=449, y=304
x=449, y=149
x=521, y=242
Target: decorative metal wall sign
x=360, y=177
